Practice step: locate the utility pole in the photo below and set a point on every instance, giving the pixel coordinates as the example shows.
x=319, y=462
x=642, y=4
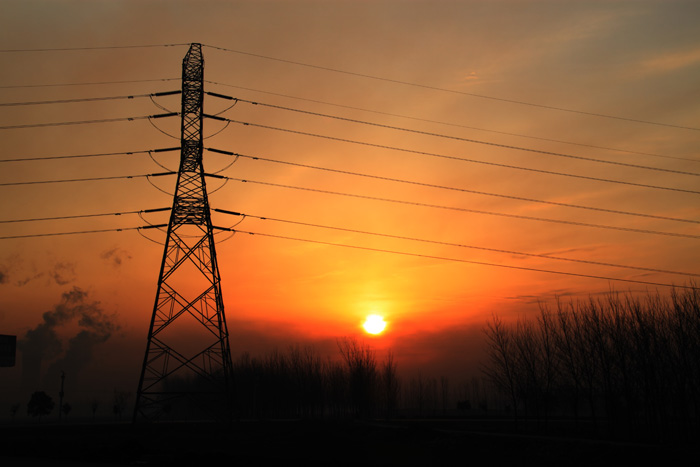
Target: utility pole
x=60, y=395
x=186, y=370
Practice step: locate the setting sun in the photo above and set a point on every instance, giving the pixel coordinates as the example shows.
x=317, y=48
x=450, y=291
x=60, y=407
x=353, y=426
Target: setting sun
x=374, y=324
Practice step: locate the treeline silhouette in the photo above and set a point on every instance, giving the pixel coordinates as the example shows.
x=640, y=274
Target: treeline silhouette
x=628, y=366
x=299, y=383
x=619, y=366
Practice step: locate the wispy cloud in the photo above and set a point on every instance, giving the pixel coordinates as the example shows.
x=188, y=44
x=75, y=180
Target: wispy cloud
x=116, y=256
x=671, y=61
x=62, y=273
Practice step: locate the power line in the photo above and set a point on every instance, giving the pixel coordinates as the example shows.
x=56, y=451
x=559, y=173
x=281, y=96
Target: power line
x=83, y=122
x=93, y=83
x=92, y=179
x=473, y=161
x=457, y=138
x=454, y=208
x=456, y=125
x=89, y=99
x=442, y=258
x=80, y=216
x=463, y=190
x=105, y=47
x=436, y=242
x=53, y=234
x=452, y=91
x=127, y=153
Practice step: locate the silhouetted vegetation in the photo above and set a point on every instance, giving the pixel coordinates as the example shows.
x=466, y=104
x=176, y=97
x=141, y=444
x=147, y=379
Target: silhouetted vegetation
x=619, y=366
x=119, y=403
x=630, y=366
x=299, y=383
x=14, y=408
x=66, y=408
x=94, y=404
x=40, y=404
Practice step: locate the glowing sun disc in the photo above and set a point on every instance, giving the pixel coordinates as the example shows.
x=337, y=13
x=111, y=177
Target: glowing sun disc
x=374, y=324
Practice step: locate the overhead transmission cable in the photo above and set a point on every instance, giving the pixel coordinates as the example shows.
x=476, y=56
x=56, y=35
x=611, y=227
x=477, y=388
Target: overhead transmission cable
x=458, y=260
x=454, y=208
x=83, y=122
x=457, y=138
x=53, y=234
x=362, y=75
x=96, y=47
x=453, y=91
x=459, y=245
x=91, y=83
x=482, y=263
x=89, y=99
x=463, y=190
x=74, y=156
x=80, y=216
x=456, y=125
x=462, y=159
x=90, y=179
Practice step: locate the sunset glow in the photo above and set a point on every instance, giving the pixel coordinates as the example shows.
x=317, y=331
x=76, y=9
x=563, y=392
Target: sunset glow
x=374, y=324
x=399, y=172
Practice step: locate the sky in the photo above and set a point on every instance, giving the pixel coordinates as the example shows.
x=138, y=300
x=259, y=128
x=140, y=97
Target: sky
x=501, y=113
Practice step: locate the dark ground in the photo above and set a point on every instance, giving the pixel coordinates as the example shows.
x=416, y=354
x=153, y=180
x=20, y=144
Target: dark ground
x=332, y=443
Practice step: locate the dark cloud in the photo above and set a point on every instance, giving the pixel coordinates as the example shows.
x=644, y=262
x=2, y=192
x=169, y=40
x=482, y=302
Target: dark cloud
x=62, y=273
x=28, y=279
x=116, y=256
x=9, y=265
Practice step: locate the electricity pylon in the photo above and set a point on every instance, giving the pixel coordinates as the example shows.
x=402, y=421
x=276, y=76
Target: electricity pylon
x=187, y=367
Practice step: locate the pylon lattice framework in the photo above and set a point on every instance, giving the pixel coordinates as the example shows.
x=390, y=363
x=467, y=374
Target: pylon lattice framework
x=187, y=364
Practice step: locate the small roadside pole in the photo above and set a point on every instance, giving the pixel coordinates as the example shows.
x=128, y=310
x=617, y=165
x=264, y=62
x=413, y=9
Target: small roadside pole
x=60, y=396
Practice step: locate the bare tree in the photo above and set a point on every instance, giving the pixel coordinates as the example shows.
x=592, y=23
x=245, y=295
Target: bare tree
x=390, y=385
x=120, y=401
x=13, y=410
x=94, y=404
x=444, y=393
x=66, y=408
x=501, y=367
x=632, y=359
x=361, y=364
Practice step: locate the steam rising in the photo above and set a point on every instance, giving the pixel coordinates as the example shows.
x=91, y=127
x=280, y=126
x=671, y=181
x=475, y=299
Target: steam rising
x=42, y=344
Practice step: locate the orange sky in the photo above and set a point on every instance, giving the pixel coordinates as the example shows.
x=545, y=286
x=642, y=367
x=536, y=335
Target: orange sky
x=638, y=60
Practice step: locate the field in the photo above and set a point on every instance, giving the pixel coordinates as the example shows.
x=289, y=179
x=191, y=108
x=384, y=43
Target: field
x=336, y=443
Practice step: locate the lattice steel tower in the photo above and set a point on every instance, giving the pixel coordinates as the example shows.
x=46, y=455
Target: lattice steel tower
x=187, y=367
